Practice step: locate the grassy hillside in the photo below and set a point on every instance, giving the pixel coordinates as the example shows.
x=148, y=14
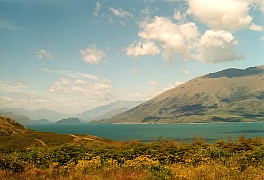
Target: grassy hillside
x=10, y=127
x=229, y=95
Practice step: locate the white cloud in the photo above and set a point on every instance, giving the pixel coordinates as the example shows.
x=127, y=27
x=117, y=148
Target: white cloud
x=134, y=71
x=43, y=53
x=5, y=99
x=255, y=27
x=120, y=12
x=153, y=83
x=142, y=48
x=225, y=14
x=185, y=71
x=97, y=9
x=170, y=86
x=73, y=74
x=172, y=37
x=151, y=93
x=137, y=88
x=217, y=46
x=46, y=54
x=179, y=16
x=92, y=55
x=184, y=41
x=99, y=90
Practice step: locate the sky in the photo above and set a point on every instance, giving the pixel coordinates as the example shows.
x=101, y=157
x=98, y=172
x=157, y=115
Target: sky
x=72, y=56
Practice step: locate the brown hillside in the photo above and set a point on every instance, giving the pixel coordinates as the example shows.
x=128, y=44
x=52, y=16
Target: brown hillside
x=229, y=95
x=10, y=127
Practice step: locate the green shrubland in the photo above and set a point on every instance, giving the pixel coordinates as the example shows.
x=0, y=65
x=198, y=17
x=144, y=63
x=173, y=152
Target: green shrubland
x=86, y=157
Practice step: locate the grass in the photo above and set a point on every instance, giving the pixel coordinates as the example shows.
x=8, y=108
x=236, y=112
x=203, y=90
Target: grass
x=69, y=157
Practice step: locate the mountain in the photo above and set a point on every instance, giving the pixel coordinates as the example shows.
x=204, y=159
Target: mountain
x=10, y=127
x=37, y=114
x=69, y=120
x=231, y=95
x=23, y=119
x=18, y=118
x=108, y=111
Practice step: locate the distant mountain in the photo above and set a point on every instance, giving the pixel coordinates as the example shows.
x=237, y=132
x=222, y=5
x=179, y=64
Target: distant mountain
x=37, y=114
x=231, y=95
x=18, y=118
x=10, y=127
x=108, y=111
x=23, y=119
x=69, y=120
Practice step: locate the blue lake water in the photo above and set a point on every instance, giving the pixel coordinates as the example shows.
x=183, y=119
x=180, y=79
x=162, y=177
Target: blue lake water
x=150, y=132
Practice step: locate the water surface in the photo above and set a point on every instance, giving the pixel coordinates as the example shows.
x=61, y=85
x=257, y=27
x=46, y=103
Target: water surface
x=150, y=132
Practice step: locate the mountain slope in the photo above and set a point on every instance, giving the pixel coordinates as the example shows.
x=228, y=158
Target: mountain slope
x=10, y=127
x=228, y=95
x=108, y=111
x=37, y=114
x=18, y=118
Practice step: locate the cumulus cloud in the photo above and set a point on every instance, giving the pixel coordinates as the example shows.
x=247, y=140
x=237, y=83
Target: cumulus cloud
x=142, y=48
x=218, y=46
x=225, y=14
x=92, y=55
x=184, y=41
x=255, y=27
x=172, y=37
x=120, y=13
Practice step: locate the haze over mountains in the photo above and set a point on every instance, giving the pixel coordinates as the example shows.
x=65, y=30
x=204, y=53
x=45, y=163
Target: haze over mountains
x=45, y=116
x=231, y=95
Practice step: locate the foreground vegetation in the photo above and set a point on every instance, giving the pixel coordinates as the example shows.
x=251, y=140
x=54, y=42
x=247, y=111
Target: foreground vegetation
x=82, y=157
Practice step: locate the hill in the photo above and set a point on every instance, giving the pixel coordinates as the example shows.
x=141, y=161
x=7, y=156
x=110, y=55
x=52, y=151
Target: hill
x=231, y=95
x=69, y=120
x=108, y=111
x=18, y=118
x=37, y=114
x=10, y=127
x=22, y=119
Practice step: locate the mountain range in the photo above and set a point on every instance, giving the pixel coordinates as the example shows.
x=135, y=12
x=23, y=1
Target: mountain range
x=45, y=116
x=231, y=95
x=108, y=111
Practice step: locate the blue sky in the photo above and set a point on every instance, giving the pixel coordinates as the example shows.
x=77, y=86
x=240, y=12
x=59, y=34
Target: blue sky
x=72, y=56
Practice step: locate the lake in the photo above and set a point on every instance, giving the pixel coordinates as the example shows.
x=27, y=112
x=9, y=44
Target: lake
x=150, y=132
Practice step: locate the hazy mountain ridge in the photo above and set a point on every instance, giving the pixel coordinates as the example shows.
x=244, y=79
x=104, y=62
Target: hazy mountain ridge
x=22, y=119
x=45, y=116
x=37, y=114
x=108, y=111
x=228, y=95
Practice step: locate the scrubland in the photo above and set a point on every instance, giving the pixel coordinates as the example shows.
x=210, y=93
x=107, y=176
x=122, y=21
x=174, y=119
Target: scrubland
x=95, y=159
